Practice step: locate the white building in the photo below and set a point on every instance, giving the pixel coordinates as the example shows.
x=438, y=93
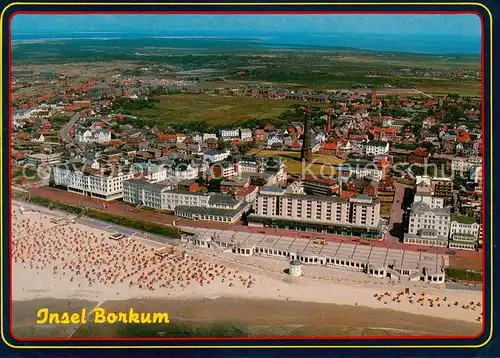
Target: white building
x=207, y=136
x=476, y=175
x=143, y=192
x=375, y=147
x=464, y=233
x=215, y=155
x=196, y=206
x=432, y=201
x=223, y=169
x=274, y=139
x=425, y=195
x=22, y=114
x=39, y=139
x=197, y=137
x=428, y=226
x=461, y=166
x=358, y=214
x=296, y=188
x=152, y=172
x=43, y=160
x=360, y=169
x=229, y=134
x=184, y=171
x=245, y=134
x=100, y=135
x=102, y=184
x=250, y=165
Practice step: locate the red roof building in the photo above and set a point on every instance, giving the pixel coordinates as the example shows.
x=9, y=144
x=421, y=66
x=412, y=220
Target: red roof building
x=382, y=133
x=419, y=156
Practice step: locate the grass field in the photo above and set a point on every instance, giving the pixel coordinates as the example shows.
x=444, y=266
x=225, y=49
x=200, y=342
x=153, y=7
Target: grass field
x=464, y=88
x=321, y=165
x=212, y=109
x=385, y=208
x=385, y=198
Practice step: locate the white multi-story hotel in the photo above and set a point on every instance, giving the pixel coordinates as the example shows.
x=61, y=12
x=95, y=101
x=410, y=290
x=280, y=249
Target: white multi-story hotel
x=428, y=226
x=250, y=165
x=229, y=134
x=223, y=169
x=461, y=166
x=358, y=214
x=432, y=201
x=159, y=195
x=184, y=171
x=464, y=233
x=245, y=134
x=143, y=192
x=103, y=184
x=198, y=206
x=376, y=147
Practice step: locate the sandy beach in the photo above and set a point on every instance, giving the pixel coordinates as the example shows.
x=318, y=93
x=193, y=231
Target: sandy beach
x=77, y=262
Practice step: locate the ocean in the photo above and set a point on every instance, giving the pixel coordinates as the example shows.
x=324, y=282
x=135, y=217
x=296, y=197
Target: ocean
x=418, y=44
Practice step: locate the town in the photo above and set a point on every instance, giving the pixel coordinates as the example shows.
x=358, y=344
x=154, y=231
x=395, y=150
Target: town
x=384, y=166
x=298, y=175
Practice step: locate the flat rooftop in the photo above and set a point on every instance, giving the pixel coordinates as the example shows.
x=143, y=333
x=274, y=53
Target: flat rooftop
x=377, y=256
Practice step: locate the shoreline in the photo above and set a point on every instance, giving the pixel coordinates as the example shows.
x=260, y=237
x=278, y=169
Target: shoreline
x=244, y=317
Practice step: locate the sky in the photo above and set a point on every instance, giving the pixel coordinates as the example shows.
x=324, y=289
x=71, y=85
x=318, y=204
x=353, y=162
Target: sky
x=411, y=24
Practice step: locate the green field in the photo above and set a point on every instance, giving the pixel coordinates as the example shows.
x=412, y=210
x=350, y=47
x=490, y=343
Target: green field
x=214, y=110
x=322, y=165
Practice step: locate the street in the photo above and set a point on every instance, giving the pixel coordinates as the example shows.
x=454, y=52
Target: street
x=64, y=132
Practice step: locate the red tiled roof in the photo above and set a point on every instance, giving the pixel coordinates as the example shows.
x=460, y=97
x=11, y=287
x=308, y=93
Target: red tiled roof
x=329, y=146
x=347, y=194
x=421, y=151
x=385, y=130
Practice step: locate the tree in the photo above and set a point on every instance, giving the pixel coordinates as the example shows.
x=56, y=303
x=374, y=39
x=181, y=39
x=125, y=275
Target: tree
x=223, y=145
x=435, y=129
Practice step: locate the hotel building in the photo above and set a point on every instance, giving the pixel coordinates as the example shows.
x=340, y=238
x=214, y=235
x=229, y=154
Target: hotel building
x=105, y=183
x=356, y=216
x=189, y=205
x=428, y=226
x=464, y=233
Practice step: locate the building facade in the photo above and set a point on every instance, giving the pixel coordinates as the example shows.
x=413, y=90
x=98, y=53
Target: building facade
x=43, y=160
x=102, y=184
x=229, y=134
x=358, y=215
x=464, y=233
x=376, y=147
x=461, y=166
x=428, y=226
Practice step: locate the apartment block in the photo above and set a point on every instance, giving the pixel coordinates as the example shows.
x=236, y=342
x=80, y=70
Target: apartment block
x=106, y=184
x=358, y=215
